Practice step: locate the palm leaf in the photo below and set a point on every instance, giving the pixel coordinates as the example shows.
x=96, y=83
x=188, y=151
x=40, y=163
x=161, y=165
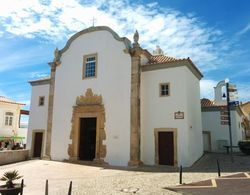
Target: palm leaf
x=10, y=176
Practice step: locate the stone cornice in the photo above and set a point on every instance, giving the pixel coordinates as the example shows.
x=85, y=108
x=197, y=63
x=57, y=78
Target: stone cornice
x=185, y=62
x=45, y=81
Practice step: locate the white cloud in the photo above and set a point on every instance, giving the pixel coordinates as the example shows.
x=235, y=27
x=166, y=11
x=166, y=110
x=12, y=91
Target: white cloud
x=207, y=88
x=178, y=34
x=27, y=56
x=37, y=75
x=244, y=30
x=243, y=91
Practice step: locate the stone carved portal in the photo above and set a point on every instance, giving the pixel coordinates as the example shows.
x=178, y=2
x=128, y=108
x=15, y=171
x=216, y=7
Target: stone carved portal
x=88, y=105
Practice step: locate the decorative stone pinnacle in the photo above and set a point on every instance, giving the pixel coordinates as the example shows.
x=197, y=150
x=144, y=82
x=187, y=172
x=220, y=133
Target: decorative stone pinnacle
x=56, y=55
x=136, y=37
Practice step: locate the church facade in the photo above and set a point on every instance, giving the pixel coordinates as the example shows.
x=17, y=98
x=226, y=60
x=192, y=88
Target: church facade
x=108, y=100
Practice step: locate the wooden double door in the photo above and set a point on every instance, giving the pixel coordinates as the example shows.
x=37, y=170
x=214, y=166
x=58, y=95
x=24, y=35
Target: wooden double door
x=166, y=148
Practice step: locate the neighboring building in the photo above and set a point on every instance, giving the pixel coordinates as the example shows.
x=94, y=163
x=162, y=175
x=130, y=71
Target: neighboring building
x=10, y=114
x=110, y=101
x=245, y=107
x=215, y=122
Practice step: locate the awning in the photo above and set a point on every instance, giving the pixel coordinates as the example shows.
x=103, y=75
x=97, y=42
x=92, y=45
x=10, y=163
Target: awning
x=11, y=137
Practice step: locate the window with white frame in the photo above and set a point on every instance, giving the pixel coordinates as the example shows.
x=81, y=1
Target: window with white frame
x=164, y=89
x=9, y=118
x=89, y=66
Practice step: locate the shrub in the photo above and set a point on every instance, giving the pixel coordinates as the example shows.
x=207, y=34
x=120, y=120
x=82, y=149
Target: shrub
x=9, y=177
x=244, y=146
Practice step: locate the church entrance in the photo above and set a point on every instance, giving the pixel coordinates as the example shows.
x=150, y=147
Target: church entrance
x=87, y=142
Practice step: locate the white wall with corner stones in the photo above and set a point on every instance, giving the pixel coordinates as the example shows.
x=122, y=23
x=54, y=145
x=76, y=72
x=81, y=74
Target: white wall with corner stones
x=15, y=109
x=112, y=82
x=158, y=112
x=38, y=114
x=211, y=122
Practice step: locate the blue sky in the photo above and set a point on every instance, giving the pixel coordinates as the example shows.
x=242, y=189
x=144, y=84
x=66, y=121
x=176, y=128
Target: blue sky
x=215, y=34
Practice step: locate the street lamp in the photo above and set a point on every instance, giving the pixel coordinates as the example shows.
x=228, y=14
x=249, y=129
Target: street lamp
x=229, y=119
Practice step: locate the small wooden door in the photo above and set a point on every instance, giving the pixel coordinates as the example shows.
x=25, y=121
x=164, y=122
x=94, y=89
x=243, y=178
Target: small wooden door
x=166, y=148
x=38, y=144
x=206, y=141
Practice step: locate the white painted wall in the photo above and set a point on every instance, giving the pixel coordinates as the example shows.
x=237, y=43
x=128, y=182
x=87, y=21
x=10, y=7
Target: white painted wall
x=194, y=131
x=158, y=112
x=15, y=109
x=238, y=131
x=211, y=122
x=38, y=114
x=112, y=82
x=23, y=132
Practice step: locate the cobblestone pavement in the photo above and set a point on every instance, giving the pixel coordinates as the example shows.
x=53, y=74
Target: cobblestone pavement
x=108, y=180
x=234, y=184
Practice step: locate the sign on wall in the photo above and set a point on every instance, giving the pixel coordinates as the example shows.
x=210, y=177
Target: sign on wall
x=224, y=117
x=179, y=115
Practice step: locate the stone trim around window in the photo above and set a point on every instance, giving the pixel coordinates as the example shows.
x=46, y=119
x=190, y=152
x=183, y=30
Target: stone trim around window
x=160, y=90
x=156, y=133
x=85, y=57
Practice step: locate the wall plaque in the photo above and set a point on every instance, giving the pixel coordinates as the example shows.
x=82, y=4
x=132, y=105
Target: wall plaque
x=179, y=115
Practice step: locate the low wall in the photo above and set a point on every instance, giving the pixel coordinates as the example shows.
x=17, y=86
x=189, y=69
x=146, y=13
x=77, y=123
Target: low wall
x=12, y=156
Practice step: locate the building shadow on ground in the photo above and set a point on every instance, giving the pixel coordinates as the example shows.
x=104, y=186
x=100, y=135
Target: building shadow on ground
x=207, y=163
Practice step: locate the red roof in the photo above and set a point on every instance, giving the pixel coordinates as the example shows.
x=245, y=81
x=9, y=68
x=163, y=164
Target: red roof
x=160, y=59
x=206, y=103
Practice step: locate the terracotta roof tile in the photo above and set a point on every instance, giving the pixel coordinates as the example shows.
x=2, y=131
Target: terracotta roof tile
x=160, y=59
x=206, y=103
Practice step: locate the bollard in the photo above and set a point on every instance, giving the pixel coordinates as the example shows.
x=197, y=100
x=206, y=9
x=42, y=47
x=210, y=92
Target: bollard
x=21, y=193
x=47, y=188
x=70, y=188
x=218, y=167
x=181, y=174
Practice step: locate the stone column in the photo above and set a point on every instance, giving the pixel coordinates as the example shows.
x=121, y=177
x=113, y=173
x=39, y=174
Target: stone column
x=50, y=110
x=135, y=52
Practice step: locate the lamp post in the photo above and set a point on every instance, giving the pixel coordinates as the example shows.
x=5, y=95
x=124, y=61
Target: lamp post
x=229, y=119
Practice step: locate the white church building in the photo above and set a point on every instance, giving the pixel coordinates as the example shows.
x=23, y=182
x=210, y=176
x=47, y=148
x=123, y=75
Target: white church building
x=108, y=100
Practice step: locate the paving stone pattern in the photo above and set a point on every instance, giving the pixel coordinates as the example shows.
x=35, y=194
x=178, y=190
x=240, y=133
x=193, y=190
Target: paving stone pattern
x=146, y=180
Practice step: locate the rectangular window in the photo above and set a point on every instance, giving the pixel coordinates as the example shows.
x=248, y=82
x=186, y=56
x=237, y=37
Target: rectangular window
x=89, y=66
x=41, y=100
x=8, y=118
x=164, y=89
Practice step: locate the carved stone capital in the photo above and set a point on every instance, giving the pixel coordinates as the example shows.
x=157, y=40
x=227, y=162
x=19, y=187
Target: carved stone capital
x=136, y=51
x=53, y=65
